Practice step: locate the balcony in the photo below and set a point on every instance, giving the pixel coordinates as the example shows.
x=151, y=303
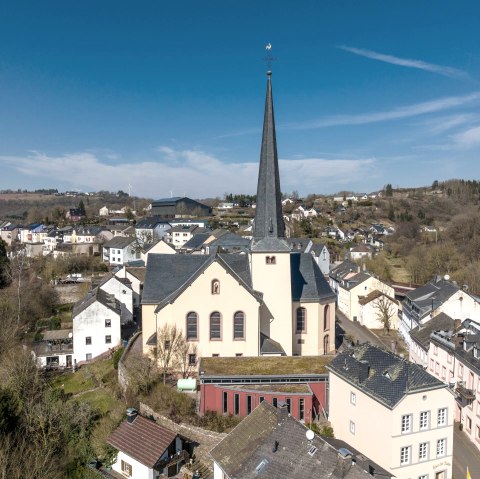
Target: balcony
x=180, y=456
x=464, y=393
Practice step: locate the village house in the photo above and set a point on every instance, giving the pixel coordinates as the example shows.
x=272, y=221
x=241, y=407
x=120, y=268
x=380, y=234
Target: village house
x=360, y=252
x=136, y=276
x=271, y=444
x=342, y=271
x=121, y=250
x=152, y=229
x=121, y=289
x=229, y=303
x=454, y=358
x=393, y=411
x=54, y=350
x=437, y=296
x=378, y=310
x=157, y=247
x=146, y=450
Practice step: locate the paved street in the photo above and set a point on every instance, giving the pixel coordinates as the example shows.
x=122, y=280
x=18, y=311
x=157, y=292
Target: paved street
x=464, y=454
x=350, y=328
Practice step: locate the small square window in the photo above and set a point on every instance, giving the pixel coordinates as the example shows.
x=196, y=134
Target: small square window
x=88, y=340
x=108, y=339
x=108, y=323
x=353, y=398
x=88, y=356
x=192, y=359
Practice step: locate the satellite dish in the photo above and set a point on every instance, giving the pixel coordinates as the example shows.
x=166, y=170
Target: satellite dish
x=70, y=335
x=446, y=277
x=310, y=434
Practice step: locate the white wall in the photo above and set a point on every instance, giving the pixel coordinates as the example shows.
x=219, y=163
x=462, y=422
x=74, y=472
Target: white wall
x=91, y=323
x=139, y=471
x=122, y=292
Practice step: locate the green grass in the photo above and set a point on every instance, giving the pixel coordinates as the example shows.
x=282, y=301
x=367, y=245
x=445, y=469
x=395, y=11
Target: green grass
x=73, y=383
x=100, y=399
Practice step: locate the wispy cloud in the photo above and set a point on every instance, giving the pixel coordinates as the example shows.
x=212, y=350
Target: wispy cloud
x=468, y=139
x=408, y=62
x=192, y=172
x=445, y=123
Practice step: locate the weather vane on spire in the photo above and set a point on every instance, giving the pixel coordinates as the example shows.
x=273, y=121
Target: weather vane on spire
x=269, y=59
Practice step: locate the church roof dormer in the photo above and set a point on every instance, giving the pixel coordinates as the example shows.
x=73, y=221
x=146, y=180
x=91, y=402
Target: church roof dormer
x=269, y=228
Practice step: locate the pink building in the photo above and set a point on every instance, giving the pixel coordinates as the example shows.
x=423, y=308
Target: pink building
x=454, y=358
x=238, y=385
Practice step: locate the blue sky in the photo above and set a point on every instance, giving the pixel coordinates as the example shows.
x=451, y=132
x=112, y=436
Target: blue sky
x=169, y=96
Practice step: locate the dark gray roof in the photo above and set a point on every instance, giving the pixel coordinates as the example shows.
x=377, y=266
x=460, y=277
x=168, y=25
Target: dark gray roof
x=268, y=213
x=119, y=242
x=343, y=269
x=308, y=282
x=168, y=201
x=249, y=450
x=102, y=297
x=270, y=346
x=196, y=241
x=421, y=334
x=169, y=275
x=318, y=248
x=231, y=241
x=381, y=374
x=354, y=281
x=150, y=222
x=299, y=245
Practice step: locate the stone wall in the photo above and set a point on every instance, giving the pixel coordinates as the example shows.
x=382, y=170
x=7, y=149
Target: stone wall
x=135, y=340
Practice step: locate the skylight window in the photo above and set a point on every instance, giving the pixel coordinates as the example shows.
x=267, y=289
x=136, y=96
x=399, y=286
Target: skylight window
x=261, y=466
x=312, y=451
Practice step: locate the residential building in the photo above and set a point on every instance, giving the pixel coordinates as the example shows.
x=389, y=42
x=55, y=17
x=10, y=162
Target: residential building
x=121, y=250
x=227, y=302
x=359, y=252
x=96, y=325
x=376, y=308
x=454, y=358
x=237, y=385
x=322, y=256
x=10, y=232
x=146, y=450
x=54, y=350
x=121, y=289
x=136, y=276
x=179, y=207
x=152, y=229
x=356, y=286
x=438, y=296
x=342, y=271
x=158, y=247
x=271, y=444
x=393, y=411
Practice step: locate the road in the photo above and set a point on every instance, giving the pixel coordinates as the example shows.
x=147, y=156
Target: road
x=352, y=328
x=464, y=454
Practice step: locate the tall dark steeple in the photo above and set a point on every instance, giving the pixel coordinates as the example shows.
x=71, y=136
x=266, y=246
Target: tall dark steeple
x=269, y=228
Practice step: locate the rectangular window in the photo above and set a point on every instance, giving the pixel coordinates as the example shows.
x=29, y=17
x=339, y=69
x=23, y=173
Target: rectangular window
x=88, y=340
x=352, y=427
x=261, y=399
x=444, y=372
x=108, y=339
x=289, y=405
x=274, y=402
x=236, y=404
x=249, y=405
x=192, y=326
x=449, y=357
x=424, y=420
x=301, y=409
x=192, y=359
x=469, y=424
x=441, y=447
x=238, y=355
x=215, y=326
x=301, y=323
x=108, y=323
x=442, y=417
x=353, y=398
x=225, y=403
x=460, y=371
x=423, y=451
x=437, y=368
x=126, y=468
x=406, y=423
x=405, y=455
x=435, y=350
x=88, y=356
x=432, y=363
x=423, y=476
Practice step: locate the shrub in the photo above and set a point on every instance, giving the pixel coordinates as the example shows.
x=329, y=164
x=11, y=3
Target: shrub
x=116, y=357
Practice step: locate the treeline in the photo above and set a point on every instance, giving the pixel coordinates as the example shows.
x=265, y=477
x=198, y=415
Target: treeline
x=240, y=199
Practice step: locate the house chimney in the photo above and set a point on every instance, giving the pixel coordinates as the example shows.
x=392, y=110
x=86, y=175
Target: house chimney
x=131, y=414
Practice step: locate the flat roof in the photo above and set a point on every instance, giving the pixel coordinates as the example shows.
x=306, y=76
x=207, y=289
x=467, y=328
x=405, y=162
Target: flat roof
x=262, y=365
x=272, y=388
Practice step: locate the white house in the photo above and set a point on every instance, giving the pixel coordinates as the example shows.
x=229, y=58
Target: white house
x=122, y=290
x=55, y=350
x=103, y=211
x=375, y=308
x=136, y=276
x=159, y=247
x=96, y=325
x=121, y=250
x=361, y=251
x=393, y=411
x=322, y=257
x=146, y=450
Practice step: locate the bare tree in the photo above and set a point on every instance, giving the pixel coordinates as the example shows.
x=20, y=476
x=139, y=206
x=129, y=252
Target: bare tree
x=384, y=309
x=169, y=341
x=142, y=373
x=185, y=354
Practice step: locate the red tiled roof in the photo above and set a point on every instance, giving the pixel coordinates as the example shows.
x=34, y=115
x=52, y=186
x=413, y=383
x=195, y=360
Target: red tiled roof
x=143, y=439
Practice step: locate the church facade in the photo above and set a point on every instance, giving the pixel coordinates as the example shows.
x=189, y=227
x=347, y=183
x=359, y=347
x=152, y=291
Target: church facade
x=269, y=301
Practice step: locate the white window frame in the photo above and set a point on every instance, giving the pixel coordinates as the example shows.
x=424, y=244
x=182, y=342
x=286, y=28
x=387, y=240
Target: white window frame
x=353, y=398
x=424, y=421
x=423, y=448
x=442, y=416
x=405, y=455
x=442, y=447
x=352, y=427
x=406, y=423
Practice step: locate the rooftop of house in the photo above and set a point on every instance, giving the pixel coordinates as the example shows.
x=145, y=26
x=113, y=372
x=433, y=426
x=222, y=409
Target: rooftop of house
x=269, y=443
x=196, y=241
x=338, y=272
x=361, y=248
x=119, y=242
x=382, y=375
x=264, y=365
x=97, y=294
x=373, y=296
x=143, y=439
x=355, y=280
x=150, y=222
x=421, y=334
x=299, y=245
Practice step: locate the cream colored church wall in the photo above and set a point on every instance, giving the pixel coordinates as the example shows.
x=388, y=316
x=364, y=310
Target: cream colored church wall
x=198, y=298
x=273, y=280
x=311, y=341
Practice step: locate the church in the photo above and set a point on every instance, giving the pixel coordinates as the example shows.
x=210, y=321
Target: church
x=269, y=301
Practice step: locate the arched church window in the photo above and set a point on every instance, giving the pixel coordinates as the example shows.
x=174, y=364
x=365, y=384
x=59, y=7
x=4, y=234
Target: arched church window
x=239, y=325
x=301, y=320
x=215, y=325
x=215, y=286
x=192, y=326
x=326, y=344
x=326, y=318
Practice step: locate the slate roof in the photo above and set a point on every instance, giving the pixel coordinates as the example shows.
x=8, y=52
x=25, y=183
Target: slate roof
x=143, y=440
x=270, y=346
x=169, y=275
x=196, y=241
x=374, y=295
x=382, y=375
x=230, y=241
x=421, y=334
x=318, y=248
x=269, y=226
x=150, y=222
x=249, y=450
x=138, y=272
x=299, y=245
x=102, y=297
x=343, y=269
x=57, y=334
x=308, y=282
x=361, y=248
x=354, y=281
x=119, y=242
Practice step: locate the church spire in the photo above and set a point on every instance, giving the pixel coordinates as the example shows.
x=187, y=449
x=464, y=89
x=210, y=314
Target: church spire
x=269, y=228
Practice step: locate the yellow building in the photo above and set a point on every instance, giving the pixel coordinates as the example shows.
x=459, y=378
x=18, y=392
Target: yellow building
x=269, y=300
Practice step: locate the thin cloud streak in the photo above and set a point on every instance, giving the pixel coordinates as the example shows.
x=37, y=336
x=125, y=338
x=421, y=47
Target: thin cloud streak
x=192, y=172
x=407, y=62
